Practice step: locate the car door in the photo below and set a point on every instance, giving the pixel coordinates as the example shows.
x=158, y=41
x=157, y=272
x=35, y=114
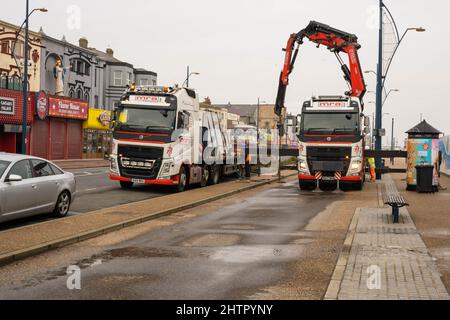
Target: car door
x=46, y=186
x=19, y=197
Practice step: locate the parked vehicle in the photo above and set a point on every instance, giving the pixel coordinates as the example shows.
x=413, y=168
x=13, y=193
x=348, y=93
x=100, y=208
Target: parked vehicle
x=161, y=136
x=31, y=186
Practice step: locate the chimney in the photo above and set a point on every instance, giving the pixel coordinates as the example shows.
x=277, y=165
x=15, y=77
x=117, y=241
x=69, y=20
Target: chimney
x=110, y=52
x=83, y=42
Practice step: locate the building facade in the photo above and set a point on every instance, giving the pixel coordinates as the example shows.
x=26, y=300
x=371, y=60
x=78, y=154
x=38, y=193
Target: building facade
x=12, y=58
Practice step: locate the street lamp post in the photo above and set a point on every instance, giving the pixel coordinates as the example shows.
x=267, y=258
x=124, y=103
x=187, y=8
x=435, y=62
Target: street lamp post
x=25, y=71
x=258, y=127
x=189, y=74
x=381, y=78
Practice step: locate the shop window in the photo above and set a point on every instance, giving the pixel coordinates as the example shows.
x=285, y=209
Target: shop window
x=118, y=78
x=5, y=47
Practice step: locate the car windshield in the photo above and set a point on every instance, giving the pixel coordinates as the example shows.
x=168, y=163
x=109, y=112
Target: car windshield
x=3, y=166
x=330, y=123
x=145, y=119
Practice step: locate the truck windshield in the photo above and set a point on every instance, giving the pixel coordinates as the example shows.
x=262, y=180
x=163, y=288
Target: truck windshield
x=145, y=119
x=330, y=123
x=3, y=166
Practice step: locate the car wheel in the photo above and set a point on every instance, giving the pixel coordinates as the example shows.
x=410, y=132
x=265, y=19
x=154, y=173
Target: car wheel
x=62, y=204
x=126, y=184
x=182, y=180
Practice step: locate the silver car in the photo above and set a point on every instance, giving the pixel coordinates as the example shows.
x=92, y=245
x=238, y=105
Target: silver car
x=31, y=186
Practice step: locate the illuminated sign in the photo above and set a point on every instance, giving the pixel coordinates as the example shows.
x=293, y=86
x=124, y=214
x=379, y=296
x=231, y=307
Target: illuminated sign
x=148, y=100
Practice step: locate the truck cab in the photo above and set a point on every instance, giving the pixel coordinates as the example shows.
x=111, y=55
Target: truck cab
x=158, y=139
x=331, y=135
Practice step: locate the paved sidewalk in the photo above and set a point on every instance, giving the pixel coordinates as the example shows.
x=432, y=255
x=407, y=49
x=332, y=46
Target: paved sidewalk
x=81, y=163
x=386, y=261
x=33, y=239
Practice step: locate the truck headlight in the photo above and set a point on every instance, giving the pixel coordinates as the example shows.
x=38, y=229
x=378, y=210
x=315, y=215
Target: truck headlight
x=166, y=168
x=302, y=165
x=356, y=165
x=114, y=166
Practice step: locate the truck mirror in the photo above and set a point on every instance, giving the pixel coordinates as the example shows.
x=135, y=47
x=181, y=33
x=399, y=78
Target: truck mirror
x=366, y=121
x=367, y=130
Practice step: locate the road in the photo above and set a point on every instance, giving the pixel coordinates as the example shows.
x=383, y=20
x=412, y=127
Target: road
x=96, y=191
x=246, y=246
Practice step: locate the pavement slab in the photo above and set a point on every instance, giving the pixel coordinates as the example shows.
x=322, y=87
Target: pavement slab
x=388, y=261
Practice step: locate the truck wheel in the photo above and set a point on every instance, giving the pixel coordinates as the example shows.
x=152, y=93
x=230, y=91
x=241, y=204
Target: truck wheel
x=358, y=186
x=306, y=186
x=215, y=175
x=182, y=180
x=126, y=184
x=205, y=176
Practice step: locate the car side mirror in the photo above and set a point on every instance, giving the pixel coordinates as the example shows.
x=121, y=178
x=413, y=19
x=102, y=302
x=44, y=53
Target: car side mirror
x=14, y=178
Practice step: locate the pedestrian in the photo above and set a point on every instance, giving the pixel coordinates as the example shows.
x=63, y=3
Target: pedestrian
x=371, y=162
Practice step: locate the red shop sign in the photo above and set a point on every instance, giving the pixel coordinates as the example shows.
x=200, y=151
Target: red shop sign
x=66, y=108
x=41, y=105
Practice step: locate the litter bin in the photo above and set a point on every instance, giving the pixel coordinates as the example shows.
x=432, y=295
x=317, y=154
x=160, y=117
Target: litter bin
x=425, y=178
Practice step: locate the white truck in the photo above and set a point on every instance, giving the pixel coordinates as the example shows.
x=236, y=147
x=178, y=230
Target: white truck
x=161, y=136
x=332, y=141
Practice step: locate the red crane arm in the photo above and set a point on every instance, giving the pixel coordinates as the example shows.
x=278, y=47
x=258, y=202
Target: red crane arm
x=336, y=41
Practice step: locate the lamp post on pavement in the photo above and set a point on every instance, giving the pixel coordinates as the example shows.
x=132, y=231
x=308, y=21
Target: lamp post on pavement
x=25, y=71
x=258, y=127
x=381, y=78
x=189, y=74
x=25, y=76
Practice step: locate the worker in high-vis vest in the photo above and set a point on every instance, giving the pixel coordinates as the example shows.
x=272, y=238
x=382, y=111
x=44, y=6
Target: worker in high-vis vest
x=371, y=162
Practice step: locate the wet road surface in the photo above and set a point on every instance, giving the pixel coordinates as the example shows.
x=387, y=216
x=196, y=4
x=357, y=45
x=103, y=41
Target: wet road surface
x=231, y=252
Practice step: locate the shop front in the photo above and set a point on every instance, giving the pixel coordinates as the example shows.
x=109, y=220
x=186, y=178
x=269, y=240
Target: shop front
x=57, y=128
x=97, y=135
x=11, y=113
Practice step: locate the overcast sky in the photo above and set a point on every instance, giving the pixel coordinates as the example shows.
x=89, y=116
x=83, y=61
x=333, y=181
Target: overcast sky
x=236, y=46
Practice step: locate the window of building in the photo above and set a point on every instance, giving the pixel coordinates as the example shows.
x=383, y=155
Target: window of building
x=87, y=69
x=5, y=47
x=71, y=93
x=14, y=83
x=3, y=81
x=96, y=101
x=86, y=97
x=143, y=82
x=19, y=49
x=154, y=82
x=79, y=94
x=129, y=78
x=118, y=78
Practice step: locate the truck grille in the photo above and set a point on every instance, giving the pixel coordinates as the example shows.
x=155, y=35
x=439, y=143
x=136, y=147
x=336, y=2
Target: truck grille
x=328, y=160
x=140, y=154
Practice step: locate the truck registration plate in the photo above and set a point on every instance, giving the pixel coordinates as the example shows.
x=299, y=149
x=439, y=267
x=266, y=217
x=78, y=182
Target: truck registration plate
x=138, y=180
x=328, y=178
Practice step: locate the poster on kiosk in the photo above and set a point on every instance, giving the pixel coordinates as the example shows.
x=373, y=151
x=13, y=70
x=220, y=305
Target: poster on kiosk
x=422, y=152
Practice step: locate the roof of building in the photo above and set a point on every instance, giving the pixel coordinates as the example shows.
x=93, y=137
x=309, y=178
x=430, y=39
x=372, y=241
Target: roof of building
x=144, y=71
x=243, y=110
x=423, y=128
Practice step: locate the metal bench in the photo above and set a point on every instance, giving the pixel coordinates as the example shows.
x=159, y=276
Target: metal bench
x=396, y=201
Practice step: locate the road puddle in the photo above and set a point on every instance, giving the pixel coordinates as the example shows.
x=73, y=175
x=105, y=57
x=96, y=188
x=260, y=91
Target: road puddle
x=249, y=254
x=212, y=240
